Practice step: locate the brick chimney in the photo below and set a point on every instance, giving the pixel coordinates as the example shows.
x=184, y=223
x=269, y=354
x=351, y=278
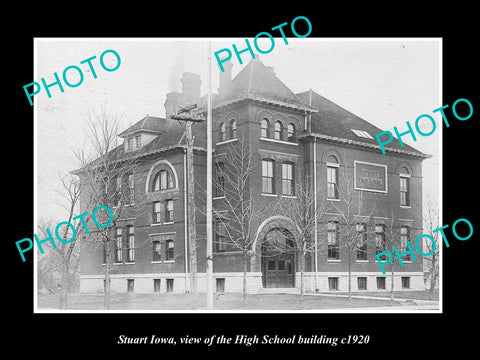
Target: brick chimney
x=172, y=102
x=225, y=78
x=191, y=87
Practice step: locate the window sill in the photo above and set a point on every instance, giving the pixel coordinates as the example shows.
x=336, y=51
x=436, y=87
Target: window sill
x=227, y=252
x=333, y=199
x=218, y=197
x=162, y=191
x=289, y=196
x=117, y=263
x=156, y=224
x=362, y=261
x=405, y=207
x=334, y=260
x=130, y=263
x=169, y=261
x=124, y=205
x=267, y=194
x=279, y=141
x=226, y=141
x=169, y=223
x=156, y=262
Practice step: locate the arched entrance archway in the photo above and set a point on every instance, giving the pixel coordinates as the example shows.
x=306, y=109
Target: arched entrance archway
x=278, y=259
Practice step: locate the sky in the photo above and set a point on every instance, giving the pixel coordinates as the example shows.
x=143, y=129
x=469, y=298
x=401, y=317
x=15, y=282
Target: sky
x=384, y=81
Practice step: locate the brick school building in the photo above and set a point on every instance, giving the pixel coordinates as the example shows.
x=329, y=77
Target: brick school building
x=291, y=137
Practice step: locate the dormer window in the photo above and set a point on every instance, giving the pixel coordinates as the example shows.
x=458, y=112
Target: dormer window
x=138, y=141
x=130, y=144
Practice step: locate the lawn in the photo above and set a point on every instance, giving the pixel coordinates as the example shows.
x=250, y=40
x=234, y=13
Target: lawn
x=415, y=295
x=230, y=301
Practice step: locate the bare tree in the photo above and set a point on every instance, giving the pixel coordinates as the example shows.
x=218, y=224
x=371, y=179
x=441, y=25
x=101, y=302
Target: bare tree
x=46, y=265
x=354, y=210
x=64, y=252
x=108, y=178
x=391, y=234
x=431, y=222
x=238, y=213
x=300, y=209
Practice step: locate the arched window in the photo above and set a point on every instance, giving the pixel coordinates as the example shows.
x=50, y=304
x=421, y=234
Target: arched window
x=223, y=135
x=233, y=129
x=163, y=180
x=264, y=128
x=291, y=132
x=278, y=131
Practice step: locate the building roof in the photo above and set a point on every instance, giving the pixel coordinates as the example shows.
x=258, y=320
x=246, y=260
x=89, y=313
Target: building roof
x=258, y=82
x=148, y=123
x=334, y=122
x=171, y=137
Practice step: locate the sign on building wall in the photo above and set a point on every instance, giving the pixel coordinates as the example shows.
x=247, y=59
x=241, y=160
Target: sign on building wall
x=370, y=177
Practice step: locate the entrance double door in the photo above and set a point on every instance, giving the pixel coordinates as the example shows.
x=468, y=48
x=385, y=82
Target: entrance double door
x=278, y=267
x=279, y=271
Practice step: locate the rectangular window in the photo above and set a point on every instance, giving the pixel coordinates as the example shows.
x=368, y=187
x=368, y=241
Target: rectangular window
x=287, y=179
x=131, y=244
x=333, y=283
x=156, y=218
x=271, y=265
x=157, y=250
x=169, y=285
x=156, y=285
x=332, y=238
x=381, y=283
x=361, y=242
x=118, y=246
x=219, y=185
x=405, y=282
x=118, y=191
x=169, y=250
x=219, y=236
x=404, y=238
x=169, y=210
x=138, y=141
x=404, y=191
x=220, y=285
x=131, y=189
x=362, y=283
x=332, y=182
x=130, y=285
x=380, y=241
x=267, y=177
x=130, y=144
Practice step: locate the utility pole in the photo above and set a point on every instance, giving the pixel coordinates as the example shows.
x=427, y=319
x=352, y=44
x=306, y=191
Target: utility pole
x=209, y=232
x=192, y=233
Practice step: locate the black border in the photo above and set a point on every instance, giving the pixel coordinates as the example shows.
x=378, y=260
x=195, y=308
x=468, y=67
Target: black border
x=92, y=334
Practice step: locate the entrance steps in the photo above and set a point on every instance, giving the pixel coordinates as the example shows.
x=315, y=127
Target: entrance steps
x=290, y=290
